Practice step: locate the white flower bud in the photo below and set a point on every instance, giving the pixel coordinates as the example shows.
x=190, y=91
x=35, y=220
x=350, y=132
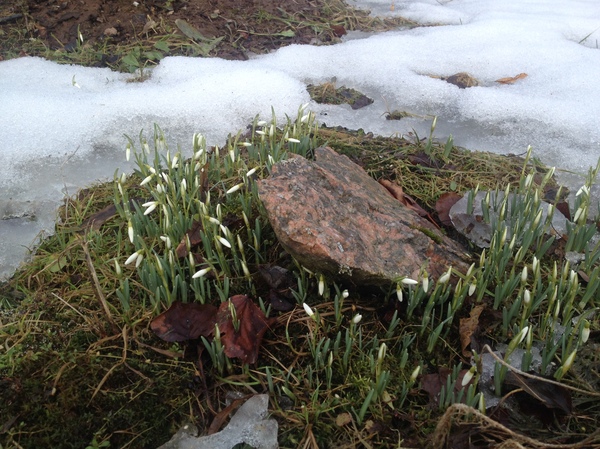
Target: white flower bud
x=146, y=180
x=224, y=242
x=444, y=278
x=321, y=285
x=202, y=272
x=132, y=257
x=468, y=376
x=130, y=231
x=585, y=333
x=408, y=281
x=472, y=288
x=235, y=188
x=307, y=309
x=415, y=373
x=526, y=297
x=151, y=205
x=357, y=318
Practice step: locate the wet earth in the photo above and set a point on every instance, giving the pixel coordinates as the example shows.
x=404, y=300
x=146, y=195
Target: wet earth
x=231, y=29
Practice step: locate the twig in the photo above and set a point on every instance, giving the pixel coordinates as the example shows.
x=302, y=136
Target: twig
x=533, y=376
x=97, y=288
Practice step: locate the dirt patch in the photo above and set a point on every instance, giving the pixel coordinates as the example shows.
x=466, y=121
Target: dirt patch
x=230, y=29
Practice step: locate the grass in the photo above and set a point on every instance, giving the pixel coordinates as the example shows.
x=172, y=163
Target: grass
x=345, y=367
x=348, y=366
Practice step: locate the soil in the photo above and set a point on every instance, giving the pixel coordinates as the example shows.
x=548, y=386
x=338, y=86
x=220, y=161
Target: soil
x=246, y=27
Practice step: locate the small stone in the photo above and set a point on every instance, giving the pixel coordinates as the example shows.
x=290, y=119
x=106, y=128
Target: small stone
x=463, y=80
x=112, y=31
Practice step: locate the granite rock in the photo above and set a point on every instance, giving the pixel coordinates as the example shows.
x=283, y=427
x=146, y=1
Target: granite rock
x=334, y=218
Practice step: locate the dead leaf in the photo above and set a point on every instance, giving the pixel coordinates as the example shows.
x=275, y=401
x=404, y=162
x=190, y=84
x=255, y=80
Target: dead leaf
x=549, y=395
x=194, y=235
x=185, y=321
x=221, y=417
x=190, y=31
x=512, y=79
x=433, y=383
x=468, y=326
x=443, y=206
x=343, y=419
x=397, y=192
x=338, y=30
x=252, y=324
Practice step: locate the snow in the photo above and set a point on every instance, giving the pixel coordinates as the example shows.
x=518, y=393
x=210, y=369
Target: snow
x=56, y=136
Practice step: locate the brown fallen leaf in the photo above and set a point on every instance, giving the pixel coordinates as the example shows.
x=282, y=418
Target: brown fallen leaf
x=512, y=79
x=468, y=326
x=433, y=383
x=185, y=321
x=194, y=235
x=221, y=417
x=443, y=206
x=397, y=192
x=251, y=324
x=549, y=395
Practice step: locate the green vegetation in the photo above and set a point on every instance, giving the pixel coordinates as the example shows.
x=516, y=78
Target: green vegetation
x=81, y=367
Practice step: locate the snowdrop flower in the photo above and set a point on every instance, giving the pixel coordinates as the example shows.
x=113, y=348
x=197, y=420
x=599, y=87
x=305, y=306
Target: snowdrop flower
x=382, y=351
x=415, y=373
x=224, y=242
x=584, y=189
x=321, y=285
x=138, y=260
x=130, y=231
x=470, y=270
x=118, y=271
x=307, y=309
x=291, y=139
x=214, y=220
x=261, y=123
x=444, y=278
x=127, y=152
x=174, y=162
x=357, y=318
x=251, y=172
x=246, y=144
x=150, y=205
x=585, y=333
x=524, y=274
x=425, y=283
x=345, y=294
x=472, y=288
x=235, y=188
x=468, y=376
x=245, y=269
x=146, y=180
x=569, y=361
x=167, y=240
x=526, y=297
x=409, y=281
x=183, y=184
x=260, y=133
x=201, y=273
x=578, y=214
x=305, y=117
x=133, y=257
x=399, y=293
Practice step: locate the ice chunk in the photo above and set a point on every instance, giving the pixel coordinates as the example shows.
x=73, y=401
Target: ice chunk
x=475, y=228
x=248, y=426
